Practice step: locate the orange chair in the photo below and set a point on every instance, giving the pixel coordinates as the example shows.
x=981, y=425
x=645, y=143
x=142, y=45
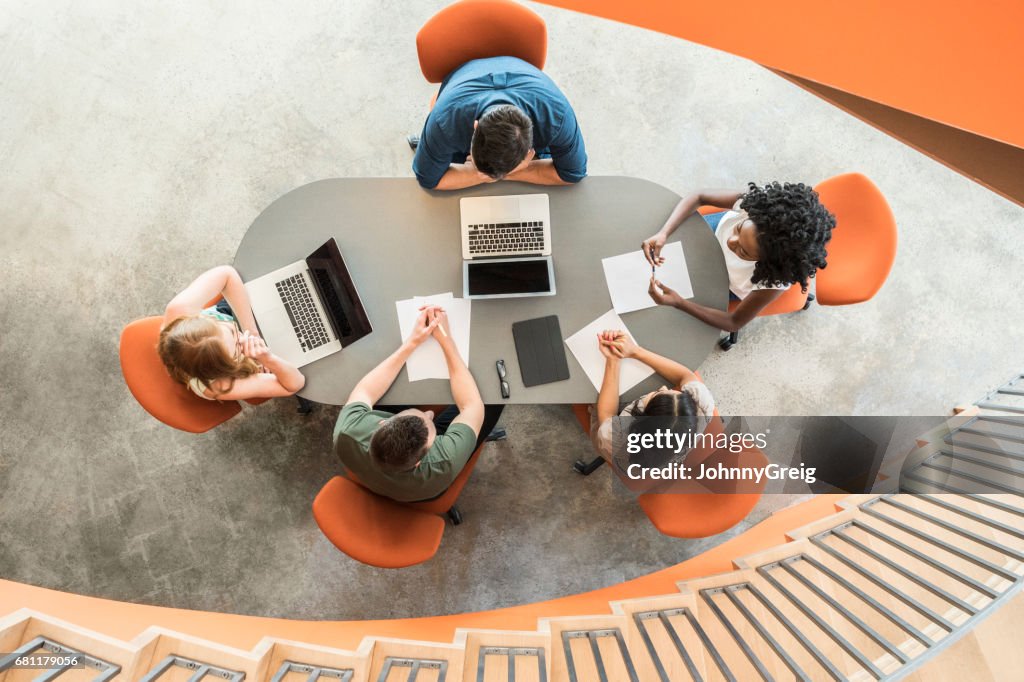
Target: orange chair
x=381, y=532
x=445, y=503
x=863, y=246
x=792, y=300
x=156, y=391
x=697, y=514
x=373, y=529
x=477, y=29
x=688, y=515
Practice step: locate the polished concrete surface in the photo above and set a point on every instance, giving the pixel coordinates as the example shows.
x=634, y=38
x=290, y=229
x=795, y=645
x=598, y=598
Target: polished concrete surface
x=139, y=142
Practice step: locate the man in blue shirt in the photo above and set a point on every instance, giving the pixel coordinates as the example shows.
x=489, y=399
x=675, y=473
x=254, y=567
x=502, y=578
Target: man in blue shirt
x=499, y=118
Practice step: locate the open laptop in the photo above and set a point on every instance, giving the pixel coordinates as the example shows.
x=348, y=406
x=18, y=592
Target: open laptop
x=506, y=246
x=309, y=309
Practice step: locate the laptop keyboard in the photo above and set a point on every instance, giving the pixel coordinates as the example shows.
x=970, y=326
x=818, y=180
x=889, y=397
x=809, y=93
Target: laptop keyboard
x=298, y=302
x=525, y=237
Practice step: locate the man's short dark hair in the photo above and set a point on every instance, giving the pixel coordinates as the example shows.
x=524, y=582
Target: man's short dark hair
x=399, y=443
x=502, y=139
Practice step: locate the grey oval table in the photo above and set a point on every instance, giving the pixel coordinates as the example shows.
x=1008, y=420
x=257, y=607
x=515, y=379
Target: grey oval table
x=401, y=241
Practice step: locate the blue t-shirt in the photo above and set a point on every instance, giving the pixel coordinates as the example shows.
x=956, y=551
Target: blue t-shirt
x=482, y=83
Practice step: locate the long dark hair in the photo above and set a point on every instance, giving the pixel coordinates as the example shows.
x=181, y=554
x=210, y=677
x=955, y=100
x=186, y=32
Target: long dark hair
x=675, y=411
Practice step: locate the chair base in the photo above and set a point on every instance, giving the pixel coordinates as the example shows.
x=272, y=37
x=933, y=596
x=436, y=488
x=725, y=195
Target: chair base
x=727, y=342
x=454, y=515
x=587, y=468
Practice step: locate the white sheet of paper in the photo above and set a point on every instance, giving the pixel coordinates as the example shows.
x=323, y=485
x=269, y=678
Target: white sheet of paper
x=583, y=345
x=427, y=361
x=629, y=275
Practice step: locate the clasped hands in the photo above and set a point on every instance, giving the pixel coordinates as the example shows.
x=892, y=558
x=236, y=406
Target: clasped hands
x=252, y=346
x=432, y=321
x=468, y=166
x=615, y=344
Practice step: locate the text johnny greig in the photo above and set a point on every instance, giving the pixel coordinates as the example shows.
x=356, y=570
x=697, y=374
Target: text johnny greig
x=666, y=440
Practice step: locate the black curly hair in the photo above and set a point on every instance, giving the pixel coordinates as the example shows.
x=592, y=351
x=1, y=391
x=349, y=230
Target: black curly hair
x=792, y=231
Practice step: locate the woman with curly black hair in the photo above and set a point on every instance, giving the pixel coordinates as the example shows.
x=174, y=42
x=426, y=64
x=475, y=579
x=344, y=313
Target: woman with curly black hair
x=772, y=237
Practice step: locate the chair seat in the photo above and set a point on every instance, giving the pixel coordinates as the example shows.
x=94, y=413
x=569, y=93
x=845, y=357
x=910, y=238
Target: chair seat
x=863, y=246
x=477, y=29
x=154, y=389
x=698, y=515
x=373, y=529
x=691, y=515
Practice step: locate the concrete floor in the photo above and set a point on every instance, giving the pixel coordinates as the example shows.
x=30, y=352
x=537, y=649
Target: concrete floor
x=139, y=142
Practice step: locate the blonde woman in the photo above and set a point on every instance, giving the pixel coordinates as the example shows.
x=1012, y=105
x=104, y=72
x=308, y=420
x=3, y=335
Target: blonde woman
x=217, y=352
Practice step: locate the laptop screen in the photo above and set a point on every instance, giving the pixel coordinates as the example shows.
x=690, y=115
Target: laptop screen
x=338, y=293
x=529, y=276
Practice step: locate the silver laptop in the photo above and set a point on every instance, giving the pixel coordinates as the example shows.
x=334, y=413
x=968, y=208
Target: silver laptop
x=309, y=309
x=501, y=227
x=506, y=246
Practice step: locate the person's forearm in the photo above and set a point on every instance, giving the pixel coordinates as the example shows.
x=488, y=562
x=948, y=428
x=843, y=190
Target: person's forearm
x=721, y=319
x=538, y=172
x=238, y=298
x=675, y=372
x=608, y=398
x=458, y=176
x=288, y=375
x=723, y=199
x=683, y=210
x=375, y=384
x=196, y=295
x=464, y=389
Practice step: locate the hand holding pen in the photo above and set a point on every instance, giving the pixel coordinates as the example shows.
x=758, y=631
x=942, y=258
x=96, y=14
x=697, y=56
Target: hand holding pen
x=651, y=248
x=437, y=317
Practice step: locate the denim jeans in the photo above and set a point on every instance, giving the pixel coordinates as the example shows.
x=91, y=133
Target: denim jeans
x=713, y=219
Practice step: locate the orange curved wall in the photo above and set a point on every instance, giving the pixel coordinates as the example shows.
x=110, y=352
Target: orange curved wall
x=125, y=621
x=955, y=62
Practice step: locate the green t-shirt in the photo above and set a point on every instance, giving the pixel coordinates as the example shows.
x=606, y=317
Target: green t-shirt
x=435, y=472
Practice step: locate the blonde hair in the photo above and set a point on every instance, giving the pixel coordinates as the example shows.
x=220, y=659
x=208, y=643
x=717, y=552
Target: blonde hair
x=191, y=348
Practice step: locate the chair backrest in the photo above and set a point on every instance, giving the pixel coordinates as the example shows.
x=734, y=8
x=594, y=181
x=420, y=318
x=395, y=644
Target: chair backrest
x=863, y=246
x=689, y=512
x=792, y=299
x=375, y=530
x=476, y=29
x=156, y=391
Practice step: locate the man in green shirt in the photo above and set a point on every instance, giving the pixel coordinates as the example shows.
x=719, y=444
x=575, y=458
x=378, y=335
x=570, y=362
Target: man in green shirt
x=404, y=456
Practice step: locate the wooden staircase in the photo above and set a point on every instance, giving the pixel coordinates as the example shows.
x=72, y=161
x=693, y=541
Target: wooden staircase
x=979, y=451
x=872, y=592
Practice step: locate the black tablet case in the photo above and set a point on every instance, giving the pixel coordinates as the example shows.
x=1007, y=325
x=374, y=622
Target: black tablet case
x=540, y=350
